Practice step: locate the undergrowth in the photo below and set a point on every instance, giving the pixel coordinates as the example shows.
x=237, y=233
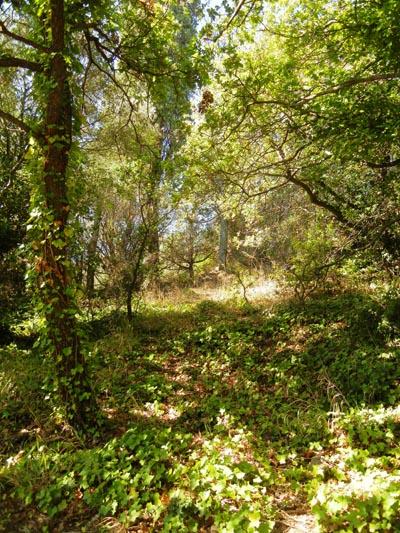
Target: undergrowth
x=222, y=417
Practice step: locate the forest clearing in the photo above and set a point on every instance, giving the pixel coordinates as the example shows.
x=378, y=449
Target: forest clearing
x=199, y=266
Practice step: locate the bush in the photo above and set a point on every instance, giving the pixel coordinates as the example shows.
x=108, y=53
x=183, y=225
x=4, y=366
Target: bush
x=312, y=255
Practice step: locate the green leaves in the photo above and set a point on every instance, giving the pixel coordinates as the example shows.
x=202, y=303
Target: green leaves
x=229, y=409
x=58, y=243
x=368, y=504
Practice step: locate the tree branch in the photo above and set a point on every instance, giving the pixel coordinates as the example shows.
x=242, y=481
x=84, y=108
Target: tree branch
x=351, y=83
x=347, y=84
x=16, y=121
x=235, y=13
x=263, y=192
x=196, y=261
x=16, y=62
x=385, y=164
x=314, y=198
x=21, y=39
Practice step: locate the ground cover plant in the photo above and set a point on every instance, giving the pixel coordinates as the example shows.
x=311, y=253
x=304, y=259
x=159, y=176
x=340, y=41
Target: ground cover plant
x=221, y=417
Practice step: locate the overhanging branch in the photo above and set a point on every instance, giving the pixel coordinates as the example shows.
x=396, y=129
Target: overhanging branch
x=16, y=121
x=313, y=196
x=315, y=199
x=17, y=62
x=351, y=83
x=347, y=84
x=5, y=31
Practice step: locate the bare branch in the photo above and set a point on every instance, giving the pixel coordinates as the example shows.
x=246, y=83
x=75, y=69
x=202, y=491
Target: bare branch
x=17, y=165
x=235, y=13
x=21, y=39
x=264, y=192
x=196, y=261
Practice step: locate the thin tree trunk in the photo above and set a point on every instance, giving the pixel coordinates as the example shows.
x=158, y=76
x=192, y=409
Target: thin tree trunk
x=91, y=255
x=134, y=282
x=129, y=294
x=62, y=328
x=191, y=274
x=153, y=223
x=191, y=254
x=223, y=243
x=79, y=269
x=153, y=245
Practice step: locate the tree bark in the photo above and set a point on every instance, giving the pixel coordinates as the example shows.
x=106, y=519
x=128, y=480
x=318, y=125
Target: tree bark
x=153, y=244
x=190, y=270
x=62, y=328
x=91, y=255
x=223, y=243
x=134, y=282
x=153, y=223
x=129, y=294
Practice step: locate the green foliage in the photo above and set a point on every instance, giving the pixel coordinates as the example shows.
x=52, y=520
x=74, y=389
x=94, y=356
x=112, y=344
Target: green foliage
x=390, y=323
x=310, y=263
x=308, y=103
x=376, y=430
x=149, y=474
x=14, y=198
x=371, y=503
x=220, y=416
x=22, y=408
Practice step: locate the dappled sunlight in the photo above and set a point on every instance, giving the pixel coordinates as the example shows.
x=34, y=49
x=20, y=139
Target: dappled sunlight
x=251, y=410
x=199, y=266
x=255, y=291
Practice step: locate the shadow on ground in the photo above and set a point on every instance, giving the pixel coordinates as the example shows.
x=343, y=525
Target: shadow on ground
x=192, y=388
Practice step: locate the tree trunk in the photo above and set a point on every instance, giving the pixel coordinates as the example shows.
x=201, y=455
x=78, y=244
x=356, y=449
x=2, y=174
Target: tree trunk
x=60, y=311
x=153, y=245
x=135, y=282
x=91, y=255
x=191, y=253
x=223, y=243
x=191, y=273
x=79, y=269
x=153, y=223
x=129, y=294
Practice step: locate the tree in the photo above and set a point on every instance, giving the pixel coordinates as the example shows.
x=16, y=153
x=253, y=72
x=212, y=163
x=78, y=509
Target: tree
x=45, y=52
x=14, y=190
x=310, y=103
x=191, y=243
x=52, y=40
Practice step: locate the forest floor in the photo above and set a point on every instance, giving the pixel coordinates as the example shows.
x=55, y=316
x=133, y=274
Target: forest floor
x=222, y=417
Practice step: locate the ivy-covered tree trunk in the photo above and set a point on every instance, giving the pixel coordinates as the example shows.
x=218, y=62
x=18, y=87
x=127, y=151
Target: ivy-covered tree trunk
x=57, y=293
